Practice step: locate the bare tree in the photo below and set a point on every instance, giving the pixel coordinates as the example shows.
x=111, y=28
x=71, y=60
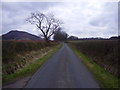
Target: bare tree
x=47, y=24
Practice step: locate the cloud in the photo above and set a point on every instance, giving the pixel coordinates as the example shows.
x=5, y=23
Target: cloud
x=89, y=19
x=119, y=18
x=15, y=13
x=82, y=19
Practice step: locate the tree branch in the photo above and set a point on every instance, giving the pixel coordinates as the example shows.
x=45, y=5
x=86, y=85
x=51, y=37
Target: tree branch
x=46, y=24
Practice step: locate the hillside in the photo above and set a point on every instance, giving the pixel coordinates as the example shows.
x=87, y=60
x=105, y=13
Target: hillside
x=19, y=35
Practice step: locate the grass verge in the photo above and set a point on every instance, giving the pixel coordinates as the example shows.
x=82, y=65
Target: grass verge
x=31, y=68
x=105, y=79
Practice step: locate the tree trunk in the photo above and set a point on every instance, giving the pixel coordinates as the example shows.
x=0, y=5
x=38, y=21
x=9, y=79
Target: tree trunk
x=47, y=40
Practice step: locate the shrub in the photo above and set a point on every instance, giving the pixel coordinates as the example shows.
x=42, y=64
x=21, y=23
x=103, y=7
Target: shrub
x=11, y=50
x=103, y=52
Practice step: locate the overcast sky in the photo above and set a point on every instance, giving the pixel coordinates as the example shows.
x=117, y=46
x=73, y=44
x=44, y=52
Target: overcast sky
x=82, y=19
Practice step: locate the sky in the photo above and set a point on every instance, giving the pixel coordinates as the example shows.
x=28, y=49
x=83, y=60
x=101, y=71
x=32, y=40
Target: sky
x=81, y=19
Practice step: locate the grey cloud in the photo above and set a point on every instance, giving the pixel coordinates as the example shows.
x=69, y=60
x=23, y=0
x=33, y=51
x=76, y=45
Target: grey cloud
x=15, y=13
x=80, y=19
x=107, y=18
x=119, y=18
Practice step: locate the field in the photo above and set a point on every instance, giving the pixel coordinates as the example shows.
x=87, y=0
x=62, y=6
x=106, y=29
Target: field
x=102, y=52
x=16, y=54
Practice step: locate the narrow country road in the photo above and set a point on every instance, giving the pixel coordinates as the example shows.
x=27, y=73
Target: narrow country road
x=63, y=70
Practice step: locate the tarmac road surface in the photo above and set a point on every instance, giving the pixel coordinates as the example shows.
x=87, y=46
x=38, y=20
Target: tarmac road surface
x=63, y=70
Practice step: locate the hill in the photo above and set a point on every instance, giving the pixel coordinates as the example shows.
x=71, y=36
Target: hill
x=19, y=35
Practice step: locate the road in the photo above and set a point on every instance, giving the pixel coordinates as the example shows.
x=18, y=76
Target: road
x=63, y=70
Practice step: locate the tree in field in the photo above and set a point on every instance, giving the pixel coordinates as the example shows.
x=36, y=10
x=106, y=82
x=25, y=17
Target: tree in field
x=47, y=24
x=73, y=38
x=60, y=35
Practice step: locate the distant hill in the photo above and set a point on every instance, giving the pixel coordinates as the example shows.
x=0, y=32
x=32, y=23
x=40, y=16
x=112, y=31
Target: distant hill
x=19, y=35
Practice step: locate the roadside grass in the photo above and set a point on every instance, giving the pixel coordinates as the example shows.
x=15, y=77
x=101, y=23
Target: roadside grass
x=31, y=68
x=105, y=79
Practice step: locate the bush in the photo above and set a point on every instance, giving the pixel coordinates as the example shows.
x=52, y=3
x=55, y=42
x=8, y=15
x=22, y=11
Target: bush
x=11, y=48
x=13, y=53
x=103, y=52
